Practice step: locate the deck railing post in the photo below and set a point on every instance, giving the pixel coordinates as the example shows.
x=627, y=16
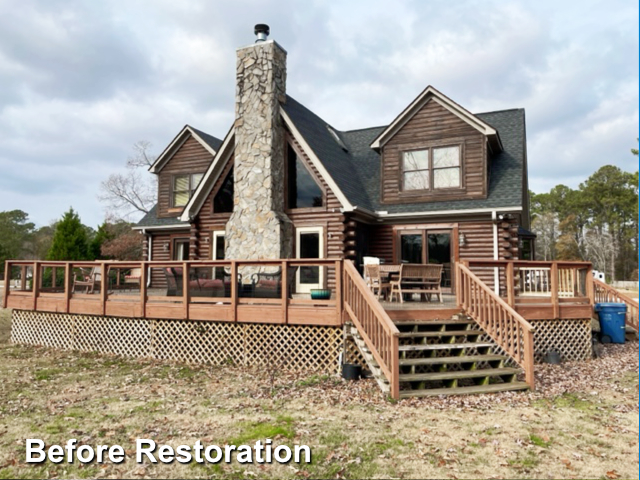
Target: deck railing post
x=143, y=289
x=590, y=286
x=185, y=289
x=510, y=284
x=7, y=283
x=23, y=278
x=338, y=274
x=554, y=290
x=528, y=359
x=36, y=283
x=284, y=292
x=104, y=286
x=67, y=286
x=394, y=384
x=234, y=290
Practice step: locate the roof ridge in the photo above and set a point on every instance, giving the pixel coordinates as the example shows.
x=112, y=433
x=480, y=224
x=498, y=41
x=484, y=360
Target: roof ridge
x=363, y=128
x=500, y=111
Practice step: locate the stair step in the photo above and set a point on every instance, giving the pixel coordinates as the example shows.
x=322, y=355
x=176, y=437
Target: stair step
x=443, y=346
x=446, y=360
x=449, y=333
x=492, y=388
x=487, y=372
x=451, y=321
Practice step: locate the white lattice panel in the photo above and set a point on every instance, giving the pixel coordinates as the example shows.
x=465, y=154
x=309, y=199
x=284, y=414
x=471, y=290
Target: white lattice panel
x=291, y=347
x=570, y=338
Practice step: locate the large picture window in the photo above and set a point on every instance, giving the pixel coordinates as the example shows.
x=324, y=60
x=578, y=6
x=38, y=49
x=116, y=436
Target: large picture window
x=431, y=169
x=223, y=201
x=183, y=188
x=303, y=191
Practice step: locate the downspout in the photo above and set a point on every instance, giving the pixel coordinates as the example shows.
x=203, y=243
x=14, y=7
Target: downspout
x=496, y=270
x=149, y=245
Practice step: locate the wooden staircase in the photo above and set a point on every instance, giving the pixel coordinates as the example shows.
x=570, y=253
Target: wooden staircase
x=456, y=356
x=446, y=357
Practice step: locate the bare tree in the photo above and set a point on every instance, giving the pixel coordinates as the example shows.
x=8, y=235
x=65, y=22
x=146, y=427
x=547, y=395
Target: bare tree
x=546, y=227
x=600, y=248
x=126, y=195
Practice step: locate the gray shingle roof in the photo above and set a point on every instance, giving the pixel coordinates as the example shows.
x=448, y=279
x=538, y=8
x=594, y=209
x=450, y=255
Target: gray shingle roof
x=210, y=140
x=357, y=171
x=151, y=220
x=335, y=159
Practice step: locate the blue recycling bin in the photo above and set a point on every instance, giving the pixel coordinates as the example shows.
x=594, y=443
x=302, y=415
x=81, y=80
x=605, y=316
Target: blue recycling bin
x=612, y=320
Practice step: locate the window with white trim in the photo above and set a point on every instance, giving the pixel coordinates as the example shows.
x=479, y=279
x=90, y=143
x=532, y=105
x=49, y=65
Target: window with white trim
x=431, y=168
x=183, y=188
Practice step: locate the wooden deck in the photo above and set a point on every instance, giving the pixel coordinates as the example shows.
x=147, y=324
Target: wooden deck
x=277, y=292
x=48, y=287
x=528, y=287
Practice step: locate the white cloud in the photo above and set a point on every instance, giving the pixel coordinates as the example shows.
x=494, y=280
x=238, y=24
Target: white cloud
x=84, y=81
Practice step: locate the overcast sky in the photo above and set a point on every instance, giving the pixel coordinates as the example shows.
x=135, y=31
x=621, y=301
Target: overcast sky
x=82, y=81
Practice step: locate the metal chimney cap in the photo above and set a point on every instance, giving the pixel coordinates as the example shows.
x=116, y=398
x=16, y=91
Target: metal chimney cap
x=262, y=31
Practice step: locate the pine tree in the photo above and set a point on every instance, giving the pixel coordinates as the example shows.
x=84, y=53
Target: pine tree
x=70, y=239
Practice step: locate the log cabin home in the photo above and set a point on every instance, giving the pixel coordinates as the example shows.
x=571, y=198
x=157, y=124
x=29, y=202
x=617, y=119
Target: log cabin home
x=256, y=248
x=437, y=185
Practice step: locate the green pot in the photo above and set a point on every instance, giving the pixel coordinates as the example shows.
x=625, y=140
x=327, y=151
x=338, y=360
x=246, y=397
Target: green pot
x=320, y=294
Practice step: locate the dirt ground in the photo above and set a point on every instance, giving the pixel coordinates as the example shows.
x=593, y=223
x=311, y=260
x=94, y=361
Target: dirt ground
x=582, y=421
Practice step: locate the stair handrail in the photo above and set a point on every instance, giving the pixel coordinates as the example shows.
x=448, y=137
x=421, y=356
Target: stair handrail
x=374, y=325
x=499, y=320
x=606, y=293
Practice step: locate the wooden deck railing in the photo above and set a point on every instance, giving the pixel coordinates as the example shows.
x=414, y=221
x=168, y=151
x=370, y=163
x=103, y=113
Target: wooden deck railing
x=48, y=286
x=541, y=290
x=376, y=328
x=494, y=315
x=605, y=293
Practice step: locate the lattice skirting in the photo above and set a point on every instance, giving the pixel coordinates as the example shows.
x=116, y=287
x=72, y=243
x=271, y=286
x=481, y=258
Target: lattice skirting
x=570, y=338
x=291, y=347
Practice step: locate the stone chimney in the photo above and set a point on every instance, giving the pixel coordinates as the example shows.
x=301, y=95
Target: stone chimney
x=258, y=227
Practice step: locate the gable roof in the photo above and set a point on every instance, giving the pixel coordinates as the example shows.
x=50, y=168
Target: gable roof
x=428, y=94
x=209, y=142
x=351, y=167
x=356, y=168
x=210, y=177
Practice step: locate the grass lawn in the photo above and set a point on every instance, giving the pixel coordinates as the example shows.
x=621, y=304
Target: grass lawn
x=572, y=427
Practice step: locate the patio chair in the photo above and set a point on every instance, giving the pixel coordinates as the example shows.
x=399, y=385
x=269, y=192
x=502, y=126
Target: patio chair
x=198, y=287
x=375, y=281
x=90, y=277
x=422, y=279
x=267, y=285
x=134, y=277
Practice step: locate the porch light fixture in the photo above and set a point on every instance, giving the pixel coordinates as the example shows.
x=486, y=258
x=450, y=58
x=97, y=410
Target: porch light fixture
x=165, y=247
x=462, y=240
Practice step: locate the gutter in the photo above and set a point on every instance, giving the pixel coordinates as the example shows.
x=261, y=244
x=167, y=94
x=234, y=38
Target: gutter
x=384, y=214
x=160, y=227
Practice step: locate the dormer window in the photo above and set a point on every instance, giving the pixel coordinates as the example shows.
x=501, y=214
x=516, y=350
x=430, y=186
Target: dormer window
x=431, y=169
x=183, y=188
